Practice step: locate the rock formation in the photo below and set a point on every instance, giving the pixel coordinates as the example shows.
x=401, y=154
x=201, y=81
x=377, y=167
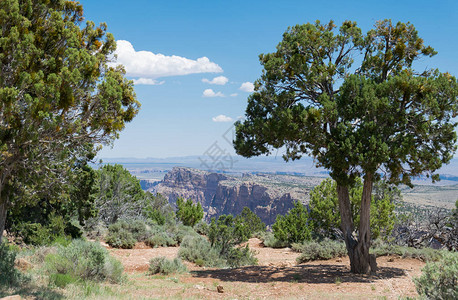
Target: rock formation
x=219, y=194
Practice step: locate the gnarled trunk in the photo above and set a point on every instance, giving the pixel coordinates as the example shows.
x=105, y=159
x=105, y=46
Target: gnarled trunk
x=3, y=210
x=358, y=248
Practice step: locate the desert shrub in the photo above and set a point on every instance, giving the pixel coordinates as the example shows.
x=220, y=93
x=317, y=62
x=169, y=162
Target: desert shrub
x=157, y=209
x=9, y=275
x=138, y=229
x=439, y=280
x=202, y=227
x=198, y=249
x=269, y=240
x=325, y=249
x=82, y=260
x=119, y=236
x=382, y=248
x=33, y=233
x=62, y=280
x=155, y=216
x=293, y=227
x=188, y=212
x=226, y=232
x=162, y=265
x=160, y=239
x=178, y=231
x=243, y=256
x=38, y=234
x=251, y=221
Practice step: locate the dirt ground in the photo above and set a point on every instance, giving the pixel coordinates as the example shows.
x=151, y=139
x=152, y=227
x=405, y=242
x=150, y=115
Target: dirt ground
x=276, y=277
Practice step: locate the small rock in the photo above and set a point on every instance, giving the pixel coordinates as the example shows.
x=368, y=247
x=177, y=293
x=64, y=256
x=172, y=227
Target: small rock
x=220, y=289
x=339, y=260
x=391, y=259
x=199, y=287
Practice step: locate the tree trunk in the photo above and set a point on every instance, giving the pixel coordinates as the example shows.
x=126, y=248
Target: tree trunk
x=358, y=248
x=3, y=210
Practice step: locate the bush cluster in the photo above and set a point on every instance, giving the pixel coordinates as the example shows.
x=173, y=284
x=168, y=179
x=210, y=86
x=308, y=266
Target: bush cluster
x=125, y=233
x=223, y=234
x=439, y=280
x=325, y=249
x=120, y=236
x=382, y=248
x=293, y=227
x=38, y=234
x=9, y=275
x=251, y=221
x=269, y=240
x=82, y=260
x=188, y=212
x=162, y=265
x=197, y=249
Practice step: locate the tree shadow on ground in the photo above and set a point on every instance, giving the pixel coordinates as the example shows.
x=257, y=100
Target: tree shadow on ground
x=29, y=290
x=313, y=274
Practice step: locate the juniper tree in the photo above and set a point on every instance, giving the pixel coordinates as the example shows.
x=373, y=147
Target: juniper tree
x=378, y=115
x=60, y=98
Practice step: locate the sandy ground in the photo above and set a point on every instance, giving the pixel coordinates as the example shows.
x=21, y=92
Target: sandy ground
x=277, y=276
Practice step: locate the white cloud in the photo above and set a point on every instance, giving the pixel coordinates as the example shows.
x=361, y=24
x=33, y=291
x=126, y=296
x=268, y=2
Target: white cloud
x=146, y=64
x=222, y=118
x=147, y=81
x=209, y=93
x=234, y=95
x=220, y=80
x=247, y=87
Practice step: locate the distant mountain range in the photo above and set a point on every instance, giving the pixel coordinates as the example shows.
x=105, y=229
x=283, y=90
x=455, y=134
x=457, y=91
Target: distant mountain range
x=155, y=168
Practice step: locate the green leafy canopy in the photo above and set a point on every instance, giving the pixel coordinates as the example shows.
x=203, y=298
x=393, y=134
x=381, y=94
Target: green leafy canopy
x=60, y=96
x=313, y=99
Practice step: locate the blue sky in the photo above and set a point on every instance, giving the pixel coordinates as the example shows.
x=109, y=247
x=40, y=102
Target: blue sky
x=201, y=40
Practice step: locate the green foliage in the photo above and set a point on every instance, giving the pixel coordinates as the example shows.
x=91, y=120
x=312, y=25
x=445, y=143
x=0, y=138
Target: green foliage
x=226, y=232
x=439, y=280
x=119, y=236
x=325, y=249
x=162, y=265
x=60, y=215
x=385, y=115
x=325, y=215
x=198, y=249
x=38, y=234
x=382, y=248
x=355, y=103
x=120, y=195
x=251, y=221
x=59, y=103
x=188, y=212
x=202, y=228
x=168, y=235
x=243, y=256
x=269, y=240
x=160, y=239
x=293, y=227
x=62, y=280
x=9, y=275
x=324, y=208
x=82, y=260
x=138, y=229
x=157, y=209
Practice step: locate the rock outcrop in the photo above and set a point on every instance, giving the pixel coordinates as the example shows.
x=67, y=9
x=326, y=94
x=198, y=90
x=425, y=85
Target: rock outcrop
x=222, y=194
